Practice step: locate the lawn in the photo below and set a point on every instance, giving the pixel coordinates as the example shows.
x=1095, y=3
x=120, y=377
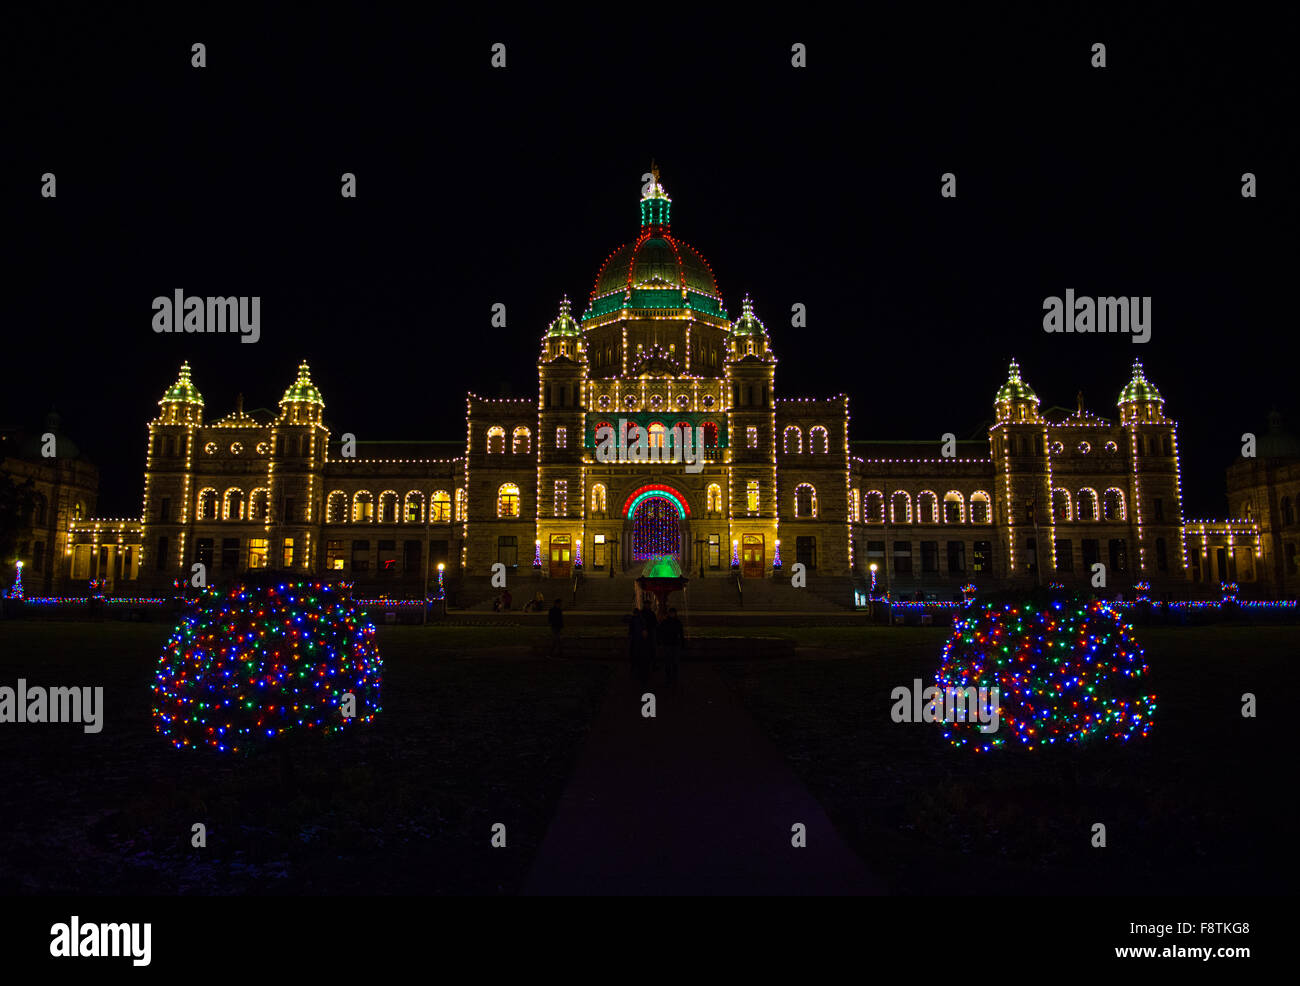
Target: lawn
x=403, y=806
x=1201, y=806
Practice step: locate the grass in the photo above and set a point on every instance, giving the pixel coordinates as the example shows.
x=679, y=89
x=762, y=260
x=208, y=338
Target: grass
x=403, y=806
x=1198, y=807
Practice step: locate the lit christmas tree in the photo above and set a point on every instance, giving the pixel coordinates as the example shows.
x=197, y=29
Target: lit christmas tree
x=253, y=663
x=16, y=590
x=1067, y=672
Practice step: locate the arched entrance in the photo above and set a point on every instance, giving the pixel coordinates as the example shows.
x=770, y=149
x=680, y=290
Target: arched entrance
x=657, y=514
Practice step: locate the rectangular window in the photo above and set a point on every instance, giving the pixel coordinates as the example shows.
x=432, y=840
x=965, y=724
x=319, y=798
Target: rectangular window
x=805, y=552
x=229, y=553
x=751, y=496
x=715, y=551
x=598, y=552
x=902, y=557
x=160, y=555
x=956, y=557
x=289, y=505
x=982, y=557
x=335, y=560
x=561, y=437
x=259, y=552
x=203, y=552
x=286, y=553
x=360, y=556
x=411, y=551
x=508, y=550
x=1064, y=555
x=165, y=508
x=751, y=436
x=1118, y=555
x=387, y=557
x=561, y=498
x=1158, y=506
x=929, y=557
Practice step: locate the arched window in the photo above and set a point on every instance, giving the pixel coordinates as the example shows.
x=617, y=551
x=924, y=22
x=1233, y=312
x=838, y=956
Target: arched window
x=234, y=504
x=388, y=507
x=561, y=437
x=508, y=500
x=954, y=508
x=874, y=507
x=793, y=440
x=927, y=505
x=713, y=499
x=682, y=436
x=710, y=434
x=363, y=507
x=805, y=501
x=413, y=511
x=460, y=504
x=658, y=437
x=40, y=506
x=1061, y=506
x=599, y=497
x=521, y=441
x=1113, y=504
x=440, y=507
x=336, y=509
x=496, y=440
x=855, y=504
x=1085, y=504
x=259, y=504
x=979, y=507
x=900, y=508
x=208, y=506
x=818, y=440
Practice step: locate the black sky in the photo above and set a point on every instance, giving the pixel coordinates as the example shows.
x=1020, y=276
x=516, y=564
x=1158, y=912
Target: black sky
x=818, y=186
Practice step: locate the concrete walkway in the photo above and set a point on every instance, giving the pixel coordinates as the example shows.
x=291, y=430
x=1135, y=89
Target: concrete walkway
x=694, y=801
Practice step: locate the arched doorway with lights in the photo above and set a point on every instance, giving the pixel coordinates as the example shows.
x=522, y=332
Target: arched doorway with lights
x=655, y=524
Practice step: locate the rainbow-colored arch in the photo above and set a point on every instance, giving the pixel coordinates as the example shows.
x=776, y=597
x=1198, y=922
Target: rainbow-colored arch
x=646, y=492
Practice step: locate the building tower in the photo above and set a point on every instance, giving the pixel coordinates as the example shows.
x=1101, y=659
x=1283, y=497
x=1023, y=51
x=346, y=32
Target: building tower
x=170, y=505
x=1023, y=499
x=298, y=445
x=1155, y=499
x=750, y=373
x=561, y=490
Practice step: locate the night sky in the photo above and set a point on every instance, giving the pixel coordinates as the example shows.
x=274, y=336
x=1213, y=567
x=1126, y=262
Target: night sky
x=819, y=186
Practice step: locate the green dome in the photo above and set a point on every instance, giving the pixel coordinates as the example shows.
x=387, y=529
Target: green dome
x=183, y=390
x=1139, y=388
x=564, y=324
x=1015, y=389
x=303, y=390
x=656, y=270
x=748, y=324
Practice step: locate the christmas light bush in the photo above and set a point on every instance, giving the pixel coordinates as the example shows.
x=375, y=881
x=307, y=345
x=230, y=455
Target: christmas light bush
x=1068, y=672
x=264, y=660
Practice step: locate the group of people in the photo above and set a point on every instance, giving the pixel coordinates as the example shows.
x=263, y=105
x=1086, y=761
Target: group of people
x=651, y=641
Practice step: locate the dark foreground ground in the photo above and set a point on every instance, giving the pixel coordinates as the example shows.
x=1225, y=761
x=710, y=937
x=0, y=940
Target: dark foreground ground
x=477, y=730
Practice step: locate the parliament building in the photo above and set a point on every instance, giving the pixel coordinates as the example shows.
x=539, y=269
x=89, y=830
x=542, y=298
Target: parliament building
x=1049, y=494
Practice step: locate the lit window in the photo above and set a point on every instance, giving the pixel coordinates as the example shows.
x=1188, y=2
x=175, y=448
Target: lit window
x=287, y=553
x=751, y=496
x=561, y=498
x=440, y=508
x=793, y=440
x=714, y=499
x=805, y=501
x=259, y=552
x=751, y=436
x=598, y=499
x=460, y=504
x=508, y=500
x=817, y=436
x=496, y=439
x=561, y=437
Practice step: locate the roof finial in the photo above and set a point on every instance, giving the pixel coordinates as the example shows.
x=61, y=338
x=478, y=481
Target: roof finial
x=654, y=170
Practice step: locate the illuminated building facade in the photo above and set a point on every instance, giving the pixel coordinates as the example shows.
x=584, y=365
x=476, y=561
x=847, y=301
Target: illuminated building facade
x=1048, y=495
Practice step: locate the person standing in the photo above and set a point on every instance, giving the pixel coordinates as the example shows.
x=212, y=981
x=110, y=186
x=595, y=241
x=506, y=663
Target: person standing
x=672, y=639
x=556, y=619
